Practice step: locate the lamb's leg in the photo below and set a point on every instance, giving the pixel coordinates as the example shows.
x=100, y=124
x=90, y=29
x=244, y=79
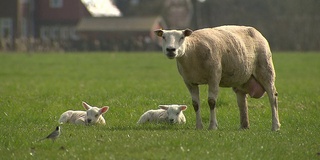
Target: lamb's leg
x=243, y=108
x=212, y=99
x=65, y=117
x=194, y=91
x=80, y=121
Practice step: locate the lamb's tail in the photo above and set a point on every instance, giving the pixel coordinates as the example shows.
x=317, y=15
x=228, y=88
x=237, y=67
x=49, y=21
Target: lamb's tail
x=144, y=118
x=64, y=118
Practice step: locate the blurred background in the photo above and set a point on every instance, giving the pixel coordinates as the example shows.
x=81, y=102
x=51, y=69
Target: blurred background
x=127, y=25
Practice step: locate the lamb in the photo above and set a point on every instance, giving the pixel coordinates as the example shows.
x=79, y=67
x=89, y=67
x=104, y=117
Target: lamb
x=227, y=56
x=92, y=115
x=166, y=113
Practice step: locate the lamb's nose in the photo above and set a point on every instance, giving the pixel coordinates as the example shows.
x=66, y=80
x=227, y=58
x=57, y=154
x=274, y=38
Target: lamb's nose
x=89, y=120
x=171, y=49
x=171, y=120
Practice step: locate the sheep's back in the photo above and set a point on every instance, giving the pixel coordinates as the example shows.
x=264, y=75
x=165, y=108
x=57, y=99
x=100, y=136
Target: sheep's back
x=233, y=48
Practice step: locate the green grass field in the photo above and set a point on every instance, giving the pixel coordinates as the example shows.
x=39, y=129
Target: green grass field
x=35, y=89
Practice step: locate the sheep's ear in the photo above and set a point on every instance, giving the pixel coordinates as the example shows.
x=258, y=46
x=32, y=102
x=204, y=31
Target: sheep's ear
x=183, y=107
x=163, y=107
x=86, y=106
x=187, y=32
x=159, y=32
x=104, y=109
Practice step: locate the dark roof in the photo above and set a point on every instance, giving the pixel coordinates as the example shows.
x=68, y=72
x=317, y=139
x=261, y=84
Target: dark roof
x=106, y=24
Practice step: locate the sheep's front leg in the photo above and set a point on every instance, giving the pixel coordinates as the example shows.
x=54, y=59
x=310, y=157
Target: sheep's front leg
x=194, y=91
x=212, y=99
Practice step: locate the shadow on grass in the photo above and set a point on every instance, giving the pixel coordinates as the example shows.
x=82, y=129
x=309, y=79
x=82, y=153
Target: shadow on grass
x=151, y=127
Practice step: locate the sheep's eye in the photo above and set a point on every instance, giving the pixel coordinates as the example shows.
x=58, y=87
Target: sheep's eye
x=97, y=115
x=178, y=113
x=163, y=37
x=181, y=38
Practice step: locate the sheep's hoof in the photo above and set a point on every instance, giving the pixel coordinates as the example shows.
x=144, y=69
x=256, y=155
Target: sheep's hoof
x=276, y=130
x=212, y=128
x=276, y=127
x=243, y=128
x=199, y=127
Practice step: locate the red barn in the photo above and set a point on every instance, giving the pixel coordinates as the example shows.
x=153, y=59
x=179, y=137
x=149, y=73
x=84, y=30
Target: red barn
x=56, y=19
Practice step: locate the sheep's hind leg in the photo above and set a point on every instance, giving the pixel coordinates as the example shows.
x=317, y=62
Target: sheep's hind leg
x=268, y=84
x=266, y=77
x=194, y=91
x=273, y=99
x=243, y=108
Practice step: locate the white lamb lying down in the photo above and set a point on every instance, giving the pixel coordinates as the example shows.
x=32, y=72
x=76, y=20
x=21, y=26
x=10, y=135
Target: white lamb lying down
x=166, y=113
x=92, y=115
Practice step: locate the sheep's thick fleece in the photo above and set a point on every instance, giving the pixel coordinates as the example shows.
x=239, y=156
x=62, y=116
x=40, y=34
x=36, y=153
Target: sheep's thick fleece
x=226, y=56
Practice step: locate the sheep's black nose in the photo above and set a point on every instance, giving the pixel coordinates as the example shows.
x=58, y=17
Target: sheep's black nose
x=171, y=120
x=171, y=49
x=89, y=120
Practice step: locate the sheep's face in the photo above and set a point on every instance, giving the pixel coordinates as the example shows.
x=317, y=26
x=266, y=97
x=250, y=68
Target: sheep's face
x=174, y=112
x=93, y=113
x=172, y=41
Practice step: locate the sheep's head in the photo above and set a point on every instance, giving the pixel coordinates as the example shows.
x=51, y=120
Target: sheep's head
x=174, y=112
x=93, y=113
x=172, y=41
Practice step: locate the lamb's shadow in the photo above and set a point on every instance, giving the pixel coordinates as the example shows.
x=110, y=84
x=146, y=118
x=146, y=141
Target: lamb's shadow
x=151, y=127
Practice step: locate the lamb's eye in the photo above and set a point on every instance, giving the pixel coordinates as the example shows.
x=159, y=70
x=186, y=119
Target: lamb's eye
x=181, y=38
x=97, y=115
x=163, y=37
x=178, y=113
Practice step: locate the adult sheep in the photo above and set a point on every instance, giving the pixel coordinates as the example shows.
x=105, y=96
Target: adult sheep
x=225, y=56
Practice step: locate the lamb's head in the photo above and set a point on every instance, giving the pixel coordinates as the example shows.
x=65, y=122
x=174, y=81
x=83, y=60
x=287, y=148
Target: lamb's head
x=174, y=112
x=93, y=113
x=172, y=41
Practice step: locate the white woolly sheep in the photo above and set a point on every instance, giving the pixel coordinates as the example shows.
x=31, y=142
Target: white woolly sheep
x=166, y=113
x=92, y=115
x=226, y=56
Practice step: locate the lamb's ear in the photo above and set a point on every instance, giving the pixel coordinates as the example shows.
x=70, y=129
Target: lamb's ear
x=86, y=106
x=183, y=107
x=158, y=32
x=104, y=109
x=187, y=32
x=163, y=107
